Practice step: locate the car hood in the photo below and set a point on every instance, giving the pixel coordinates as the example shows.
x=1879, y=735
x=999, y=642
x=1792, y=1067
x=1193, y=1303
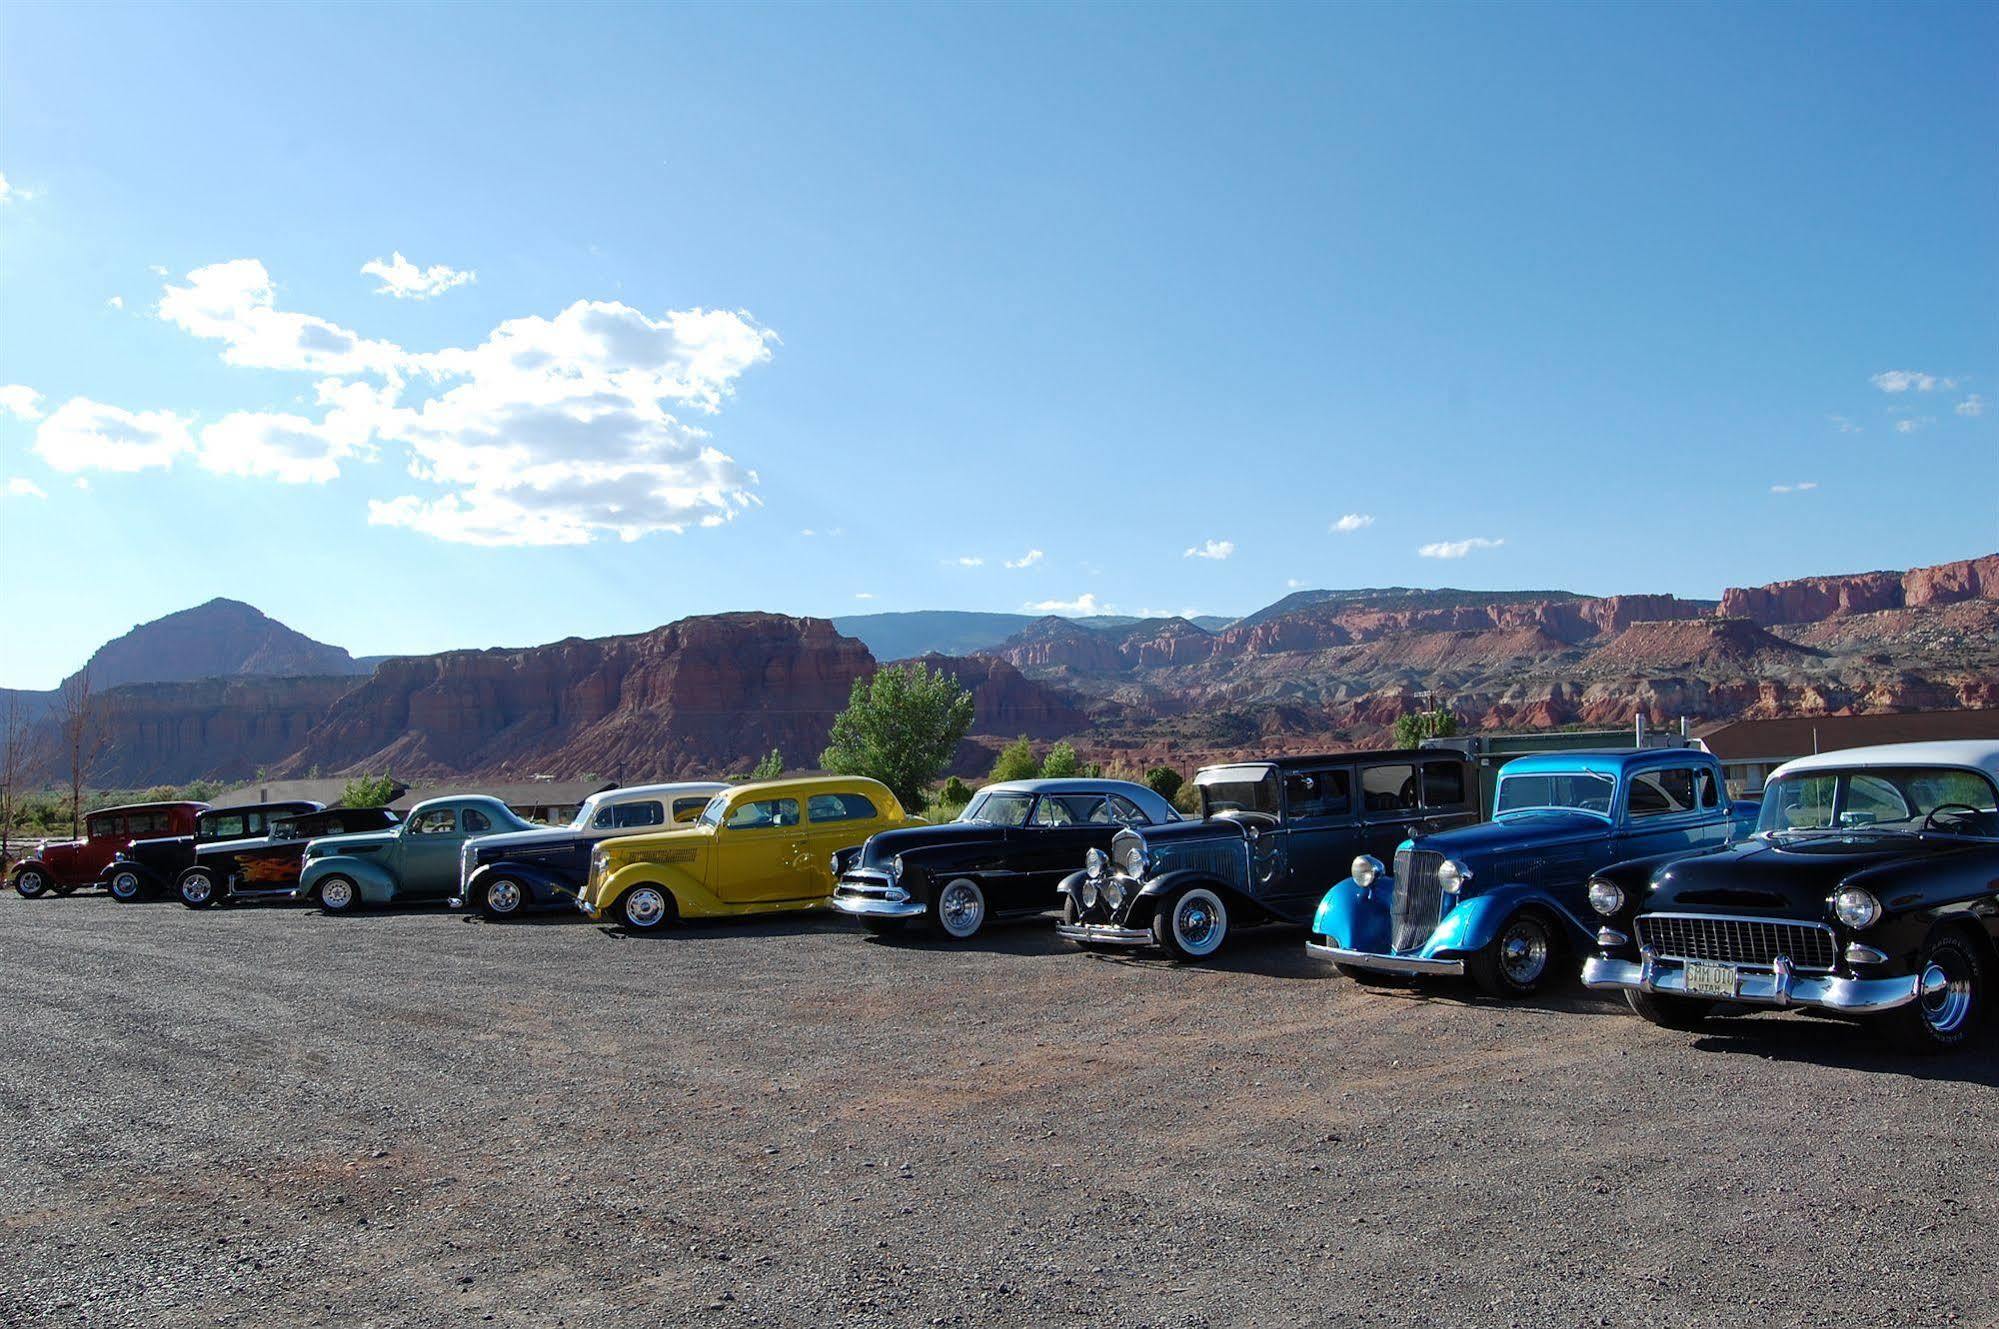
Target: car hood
x=1211, y=828
x=157, y=845
x=1786, y=877
x=885, y=845
x=493, y=846
x=1518, y=830
x=362, y=843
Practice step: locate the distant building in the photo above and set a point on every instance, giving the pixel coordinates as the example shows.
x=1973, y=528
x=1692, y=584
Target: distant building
x=318, y=790
x=1750, y=749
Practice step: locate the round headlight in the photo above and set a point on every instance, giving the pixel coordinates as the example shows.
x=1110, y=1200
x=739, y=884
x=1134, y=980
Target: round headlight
x=1133, y=861
x=1096, y=862
x=1452, y=875
x=1113, y=892
x=895, y=868
x=1606, y=897
x=1856, y=908
x=1366, y=869
x=1086, y=894
x=833, y=864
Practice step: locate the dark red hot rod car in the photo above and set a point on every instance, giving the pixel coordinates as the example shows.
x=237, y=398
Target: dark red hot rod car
x=61, y=866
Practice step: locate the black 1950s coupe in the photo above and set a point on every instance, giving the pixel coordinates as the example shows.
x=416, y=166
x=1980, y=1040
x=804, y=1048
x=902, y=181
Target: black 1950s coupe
x=1871, y=888
x=1004, y=855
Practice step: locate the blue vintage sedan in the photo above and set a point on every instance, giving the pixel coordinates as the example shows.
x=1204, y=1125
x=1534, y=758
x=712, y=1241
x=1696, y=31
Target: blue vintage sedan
x=1503, y=900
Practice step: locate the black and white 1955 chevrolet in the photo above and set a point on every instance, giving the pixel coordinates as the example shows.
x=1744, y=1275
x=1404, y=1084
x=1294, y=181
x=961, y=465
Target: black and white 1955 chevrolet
x=1871, y=888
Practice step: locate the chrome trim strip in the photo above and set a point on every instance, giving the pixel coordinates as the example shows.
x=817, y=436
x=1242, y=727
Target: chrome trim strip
x=1780, y=987
x=1393, y=964
x=1611, y=938
x=1858, y=954
x=1104, y=934
x=868, y=906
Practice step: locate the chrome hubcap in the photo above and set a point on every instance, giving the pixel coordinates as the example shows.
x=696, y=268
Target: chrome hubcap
x=644, y=907
x=31, y=882
x=1523, y=953
x=124, y=884
x=503, y=897
x=196, y=889
x=1946, y=998
x=1197, y=924
x=960, y=908
x=336, y=894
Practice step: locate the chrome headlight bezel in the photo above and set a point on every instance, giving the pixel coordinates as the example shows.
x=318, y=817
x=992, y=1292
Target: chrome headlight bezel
x=1086, y=894
x=1606, y=897
x=1452, y=876
x=833, y=863
x=1366, y=869
x=1113, y=892
x=894, y=868
x=1855, y=907
x=1096, y=863
x=1136, y=861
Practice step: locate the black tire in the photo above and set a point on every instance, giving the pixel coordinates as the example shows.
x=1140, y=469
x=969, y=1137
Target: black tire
x=346, y=896
x=958, y=909
x=1192, y=925
x=1945, y=1019
x=197, y=888
x=32, y=883
x=124, y=885
x=1520, y=960
x=1682, y=1013
x=883, y=927
x=646, y=910
x=503, y=898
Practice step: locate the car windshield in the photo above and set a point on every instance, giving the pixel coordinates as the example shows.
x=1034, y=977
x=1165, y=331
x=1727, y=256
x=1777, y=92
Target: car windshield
x=1238, y=789
x=586, y=812
x=1883, y=799
x=1585, y=791
x=712, y=814
x=1007, y=808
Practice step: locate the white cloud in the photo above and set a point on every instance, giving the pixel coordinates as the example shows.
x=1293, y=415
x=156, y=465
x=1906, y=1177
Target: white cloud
x=1353, y=521
x=156, y=269
x=1293, y=584
x=21, y=487
x=1085, y=605
x=406, y=281
x=1911, y=425
x=9, y=192
x=1972, y=405
x=1457, y=548
x=971, y=561
x=18, y=399
x=864, y=595
x=1026, y=560
x=1842, y=424
x=236, y=303
x=1212, y=549
x=808, y=532
x=83, y=435
x=293, y=449
x=6, y=190
x=115, y=302
x=1904, y=380
x=1169, y=613
x=1801, y=487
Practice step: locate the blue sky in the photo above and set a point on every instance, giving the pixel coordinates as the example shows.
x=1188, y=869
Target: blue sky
x=1606, y=298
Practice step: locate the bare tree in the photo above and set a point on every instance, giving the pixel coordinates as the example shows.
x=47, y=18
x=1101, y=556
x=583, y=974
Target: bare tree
x=16, y=766
x=83, y=719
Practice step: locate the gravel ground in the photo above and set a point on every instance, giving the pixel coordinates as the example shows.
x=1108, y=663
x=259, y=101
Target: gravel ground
x=271, y=1117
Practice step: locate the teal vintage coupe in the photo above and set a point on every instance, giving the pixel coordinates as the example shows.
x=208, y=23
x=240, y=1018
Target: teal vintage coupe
x=416, y=861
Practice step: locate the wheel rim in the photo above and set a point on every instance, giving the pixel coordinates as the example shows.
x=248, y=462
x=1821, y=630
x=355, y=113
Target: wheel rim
x=645, y=907
x=503, y=897
x=1198, y=922
x=961, y=908
x=30, y=882
x=336, y=894
x=125, y=885
x=197, y=889
x=1523, y=953
x=1946, y=995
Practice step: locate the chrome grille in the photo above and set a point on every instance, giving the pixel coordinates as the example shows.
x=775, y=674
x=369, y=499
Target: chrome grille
x=1417, y=904
x=1222, y=859
x=1749, y=941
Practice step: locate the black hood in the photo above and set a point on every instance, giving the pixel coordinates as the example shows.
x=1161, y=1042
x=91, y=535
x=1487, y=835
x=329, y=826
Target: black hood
x=1790, y=876
x=885, y=845
x=1213, y=828
x=162, y=849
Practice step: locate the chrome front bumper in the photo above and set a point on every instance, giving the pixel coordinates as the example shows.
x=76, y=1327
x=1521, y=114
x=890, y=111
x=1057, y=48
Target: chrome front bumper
x=1104, y=934
x=1387, y=964
x=1780, y=986
x=585, y=908
x=873, y=906
x=456, y=902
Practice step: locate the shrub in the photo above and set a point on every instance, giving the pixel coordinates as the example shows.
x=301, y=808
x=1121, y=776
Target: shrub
x=900, y=727
x=1164, y=781
x=1061, y=763
x=1016, y=762
x=770, y=768
x=368, y=792
x=956, y=792
x=1413, y=728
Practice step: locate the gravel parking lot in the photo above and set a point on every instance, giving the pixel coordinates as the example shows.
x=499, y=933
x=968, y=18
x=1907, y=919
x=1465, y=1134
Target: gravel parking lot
x=272, y=1117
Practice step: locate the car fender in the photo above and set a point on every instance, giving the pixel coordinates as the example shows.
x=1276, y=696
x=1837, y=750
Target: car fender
x=21, y=865
x=1242, y=909
x=1474, y=922
x=691, y=899
x=1351, y=919
x=375, y=883
x=542, y=885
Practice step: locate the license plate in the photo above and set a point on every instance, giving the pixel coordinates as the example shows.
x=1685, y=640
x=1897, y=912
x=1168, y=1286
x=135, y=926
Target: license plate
x=1710, y=980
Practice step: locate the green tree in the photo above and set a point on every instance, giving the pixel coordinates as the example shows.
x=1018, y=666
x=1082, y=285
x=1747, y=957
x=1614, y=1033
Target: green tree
x=770, y=768
x=900, y=727
x=1061, y=763
x=956, y=793
x=1164, y=781
x=367, y=791
x=1413, y=728
x=1016, y=761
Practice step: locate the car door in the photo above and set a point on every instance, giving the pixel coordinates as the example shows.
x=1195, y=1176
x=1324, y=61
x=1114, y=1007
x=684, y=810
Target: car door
x=106, y=836
x=427, y=852
x=760, y=853
x=1321, y=834
x=1661, y=815
x=1390, y=807
x=1057, y=840
x=835, y=821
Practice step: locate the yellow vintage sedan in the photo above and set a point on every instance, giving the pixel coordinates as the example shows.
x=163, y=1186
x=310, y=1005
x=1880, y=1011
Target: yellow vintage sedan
x=756, y=849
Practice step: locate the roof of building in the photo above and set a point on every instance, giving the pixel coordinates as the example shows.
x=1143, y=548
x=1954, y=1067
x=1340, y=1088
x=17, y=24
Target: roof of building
x=1779, y=740
x=318, y=789
x=1970, y=753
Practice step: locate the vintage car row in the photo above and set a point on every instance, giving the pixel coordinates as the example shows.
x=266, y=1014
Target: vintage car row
x=267, y=867
x=149, y=867
x=60, y=867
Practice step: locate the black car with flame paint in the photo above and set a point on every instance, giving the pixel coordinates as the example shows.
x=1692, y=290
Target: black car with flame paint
x=150, y=867
x=1871, y=888
x=266, y=866
x=1273, y=836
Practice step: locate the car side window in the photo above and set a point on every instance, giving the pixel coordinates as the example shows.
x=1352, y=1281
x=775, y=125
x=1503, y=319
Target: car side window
x=1662, y=793
x=1871, y=799
x=1710, y=798
x=102, y=828
x=1388, y=789
x=687, y=809
x=763, y=814
x=840, y=807
x=1443, y=786
x=226, y=828
x=646, y=812
x=1072, y=810
x=1127, y=813
x=437, y=821
x=477, y=822
x=1318, y=795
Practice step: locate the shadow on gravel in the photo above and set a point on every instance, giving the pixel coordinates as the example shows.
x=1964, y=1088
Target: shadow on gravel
x=1847, y=1046
x=1024, y=936
x=783, y=925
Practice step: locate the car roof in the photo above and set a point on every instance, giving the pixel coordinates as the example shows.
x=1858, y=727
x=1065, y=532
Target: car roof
x=1601, y=761
x=460, y=800
x=299, y=806
x=1971, y=753
x=630, y=792
x=148, y=807
x=808, y=784
x=1143, y=795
